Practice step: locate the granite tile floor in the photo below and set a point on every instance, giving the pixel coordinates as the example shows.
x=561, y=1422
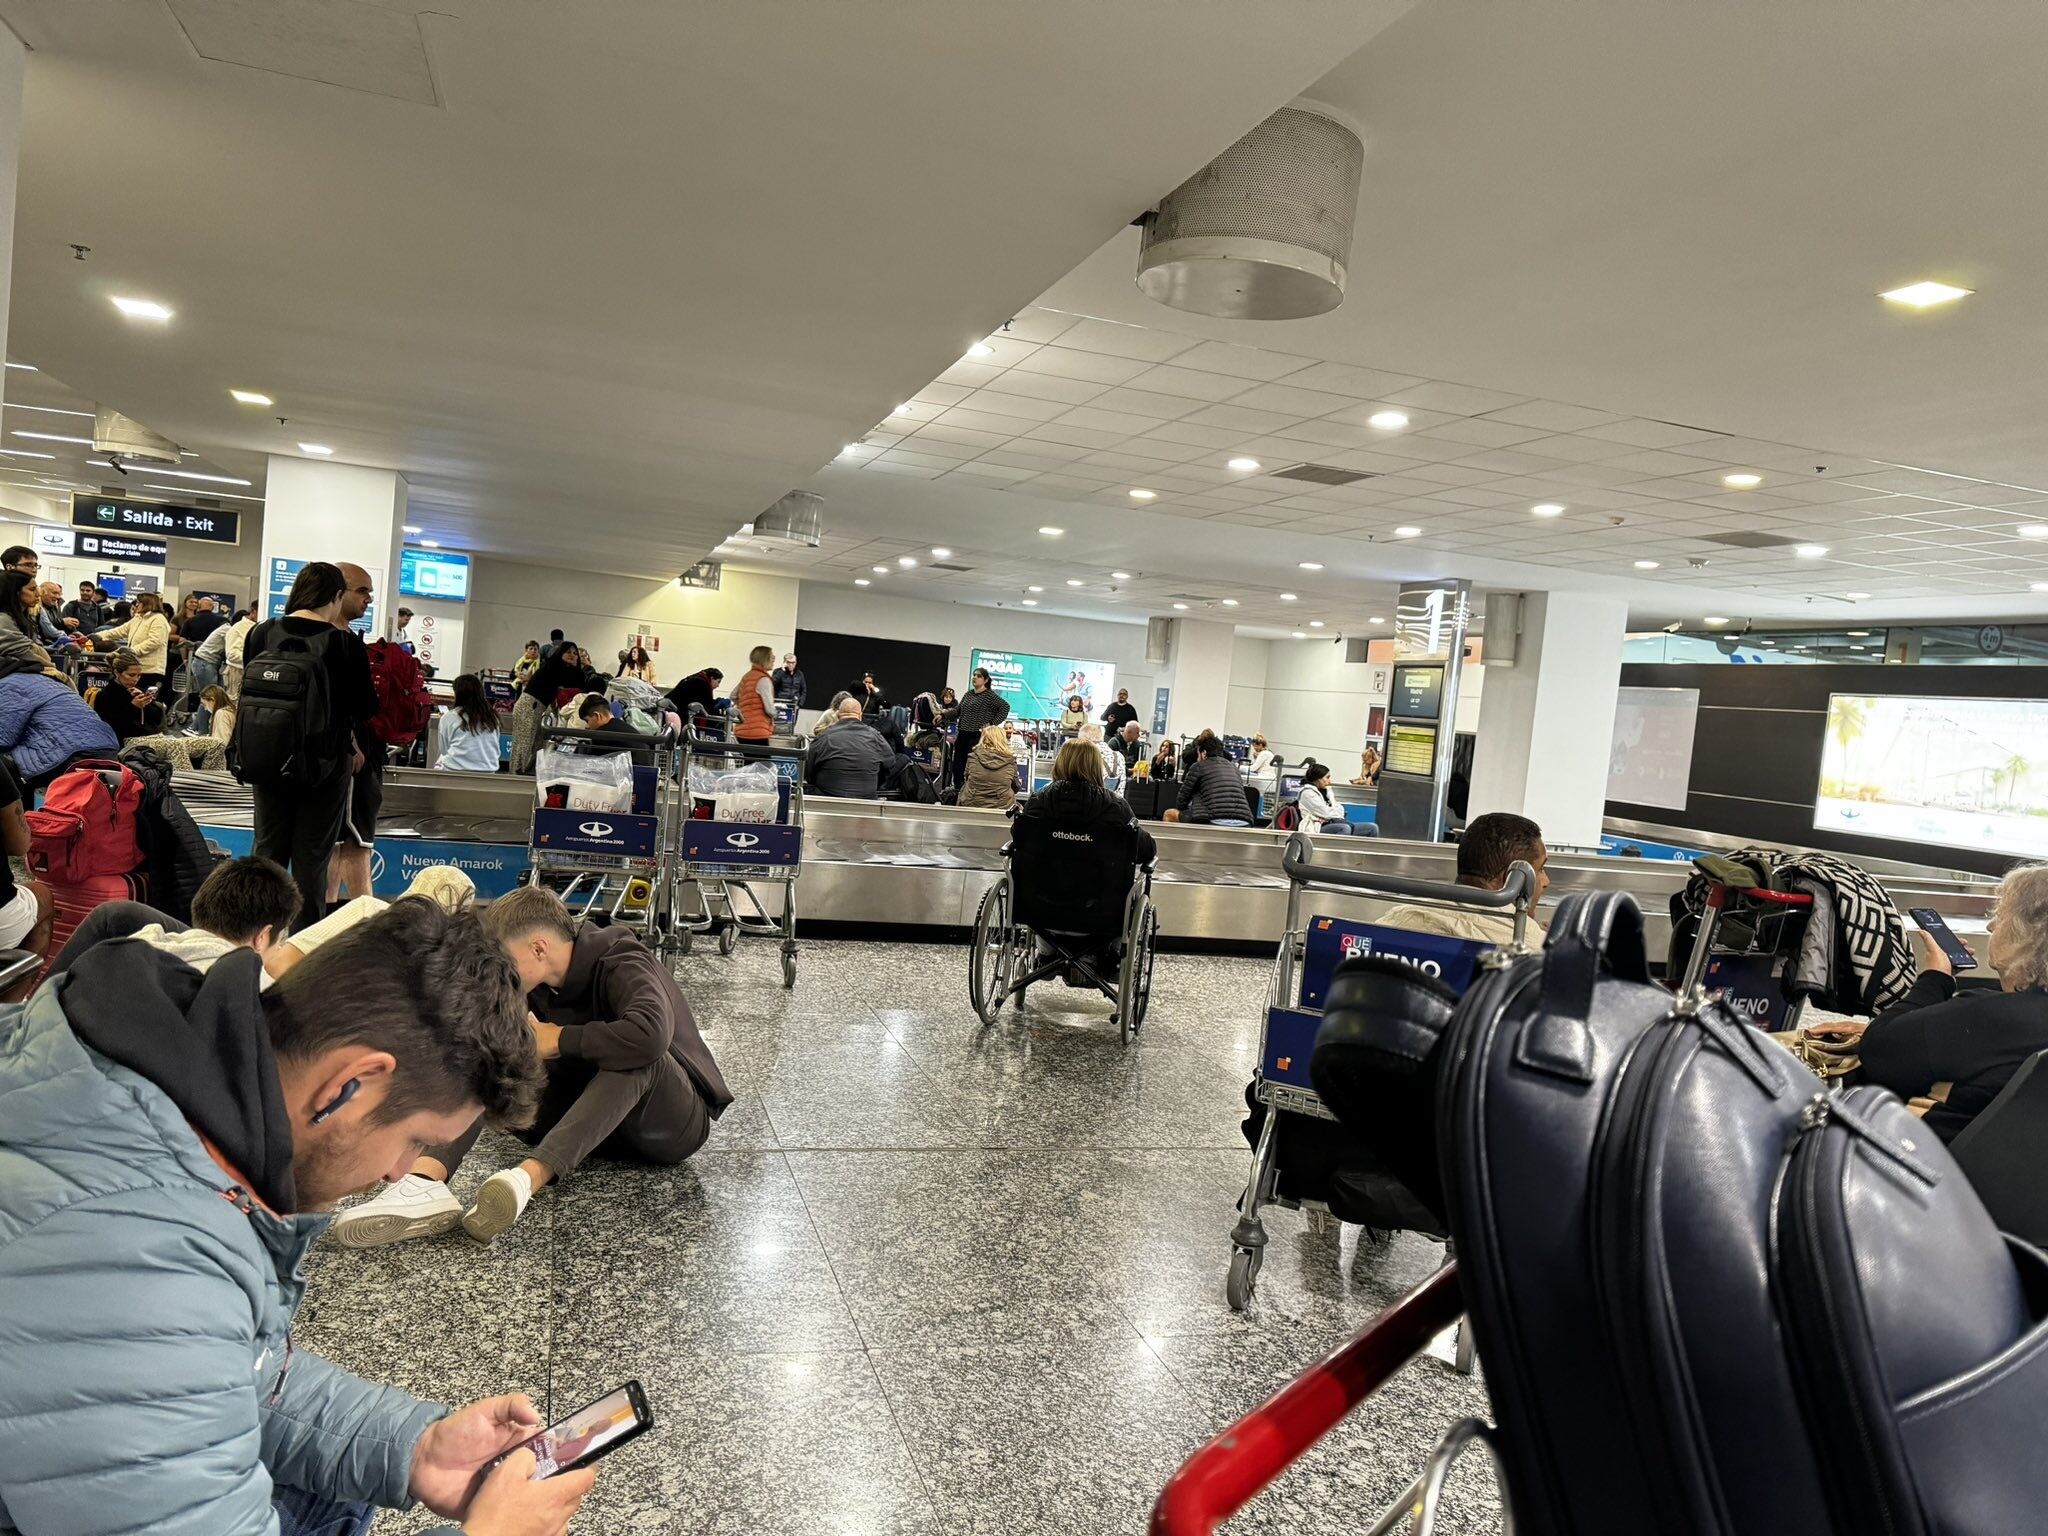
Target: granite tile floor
x=925, y=1278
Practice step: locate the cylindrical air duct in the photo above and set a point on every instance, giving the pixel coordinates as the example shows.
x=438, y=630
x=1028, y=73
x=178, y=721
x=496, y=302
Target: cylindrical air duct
x=798, y=518
x=1263, y=232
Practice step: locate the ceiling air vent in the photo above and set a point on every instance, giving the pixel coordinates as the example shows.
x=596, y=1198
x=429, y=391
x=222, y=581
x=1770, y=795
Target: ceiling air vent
x=1749, y=540
x=1320, y=474
x=936, y=566
x=798, y=518
x=116, y=435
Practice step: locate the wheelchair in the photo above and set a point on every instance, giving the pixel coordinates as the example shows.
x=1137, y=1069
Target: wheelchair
x=1071, y=905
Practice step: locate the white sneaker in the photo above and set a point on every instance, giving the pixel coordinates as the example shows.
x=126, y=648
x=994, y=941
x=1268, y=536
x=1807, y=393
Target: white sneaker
x=415, y=1206
x=500, y=1202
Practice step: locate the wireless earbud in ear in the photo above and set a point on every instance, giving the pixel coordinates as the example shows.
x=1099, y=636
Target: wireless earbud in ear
x=348, y=1091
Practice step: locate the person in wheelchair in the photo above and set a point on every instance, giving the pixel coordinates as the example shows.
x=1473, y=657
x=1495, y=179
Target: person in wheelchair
x=1078, y=799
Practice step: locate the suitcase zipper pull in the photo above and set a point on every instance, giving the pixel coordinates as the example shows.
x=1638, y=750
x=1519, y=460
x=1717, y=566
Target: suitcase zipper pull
x=1821, y=1110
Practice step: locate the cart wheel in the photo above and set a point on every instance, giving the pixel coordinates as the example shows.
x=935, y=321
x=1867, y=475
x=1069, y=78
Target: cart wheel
x=686, y=941
x=788, y=968
x=1244, y=1275
x=988, y=962
x=728, y=938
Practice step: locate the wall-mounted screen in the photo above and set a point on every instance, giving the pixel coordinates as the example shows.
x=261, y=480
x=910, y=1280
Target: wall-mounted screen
x=1970, y=773
x=1411, y=749
x=1038, y=687
x=1418, y=693
x=1650, y=761
x=433, y=573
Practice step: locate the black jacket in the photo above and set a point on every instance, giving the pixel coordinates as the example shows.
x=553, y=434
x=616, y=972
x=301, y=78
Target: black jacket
x=1213, y=790
x=179, y=859
x=1975, y=1039
x=620, y=1010
x=979, y=710
x=695, y=689
x=1117, y=716
x=789, y=685
x=1084, y=807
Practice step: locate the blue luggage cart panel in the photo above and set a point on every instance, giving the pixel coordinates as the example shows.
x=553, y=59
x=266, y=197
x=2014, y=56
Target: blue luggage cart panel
x=1290, y=1041
x=604, y=834
x=1755, y=985
x=754, y=845
x=1333, y=940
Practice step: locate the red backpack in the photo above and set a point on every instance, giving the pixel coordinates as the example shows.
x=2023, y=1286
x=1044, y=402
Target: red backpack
x=403, y=708
x=85, y=828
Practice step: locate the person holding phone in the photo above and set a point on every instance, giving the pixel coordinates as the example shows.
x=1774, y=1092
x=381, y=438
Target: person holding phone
x=173, y=1143
x=129, y=709
x=1949, y=1052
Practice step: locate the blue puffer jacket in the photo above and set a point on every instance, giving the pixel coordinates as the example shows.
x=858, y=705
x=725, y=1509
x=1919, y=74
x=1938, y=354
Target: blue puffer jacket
x=43, y=725
x=147, y=1377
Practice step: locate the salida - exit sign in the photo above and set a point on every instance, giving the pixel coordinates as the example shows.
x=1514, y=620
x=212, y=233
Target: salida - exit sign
x=163, y=520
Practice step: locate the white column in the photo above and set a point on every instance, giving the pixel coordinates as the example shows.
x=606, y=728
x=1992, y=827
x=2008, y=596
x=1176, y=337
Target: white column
x=1201, y=677
x=314, y=510
x=1546, y=723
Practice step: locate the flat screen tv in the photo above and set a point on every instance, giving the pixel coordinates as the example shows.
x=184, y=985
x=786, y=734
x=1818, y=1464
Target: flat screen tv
x=433, y=573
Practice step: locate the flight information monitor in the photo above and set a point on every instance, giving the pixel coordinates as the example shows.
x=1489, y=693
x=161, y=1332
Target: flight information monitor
x=1418, y=693
x=1411, y=748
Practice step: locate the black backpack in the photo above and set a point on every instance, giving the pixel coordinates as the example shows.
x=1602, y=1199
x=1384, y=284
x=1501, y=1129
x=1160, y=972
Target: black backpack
x=284, y=722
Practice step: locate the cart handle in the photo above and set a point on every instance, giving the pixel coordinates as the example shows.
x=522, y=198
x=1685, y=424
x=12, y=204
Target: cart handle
x=1224, y=1475
x=1768, y=897
x=1299, y=858
x=625, y=740
x=714, y=746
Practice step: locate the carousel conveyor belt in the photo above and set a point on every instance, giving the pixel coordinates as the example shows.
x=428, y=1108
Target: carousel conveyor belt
x=928, y=865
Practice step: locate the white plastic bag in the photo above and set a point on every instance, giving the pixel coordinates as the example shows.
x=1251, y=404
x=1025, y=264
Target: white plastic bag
x=746, y=794
x=587, y=782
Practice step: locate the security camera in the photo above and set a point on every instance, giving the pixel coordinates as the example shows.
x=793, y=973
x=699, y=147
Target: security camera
x=1674, y=626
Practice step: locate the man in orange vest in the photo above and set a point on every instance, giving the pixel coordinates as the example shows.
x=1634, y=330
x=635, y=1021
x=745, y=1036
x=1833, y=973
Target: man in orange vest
x=755, y=697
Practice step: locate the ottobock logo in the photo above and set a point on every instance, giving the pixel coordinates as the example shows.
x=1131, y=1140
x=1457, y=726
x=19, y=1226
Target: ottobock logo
x=1074, y=837
x=595, y=829
x=742, y=840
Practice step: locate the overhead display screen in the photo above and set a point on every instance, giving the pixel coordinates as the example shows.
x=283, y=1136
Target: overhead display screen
x=1418, y=693
x=1650, y=762
x=1038, y=687
x=1411, y=749
x=1972, y=773
x=430, y=573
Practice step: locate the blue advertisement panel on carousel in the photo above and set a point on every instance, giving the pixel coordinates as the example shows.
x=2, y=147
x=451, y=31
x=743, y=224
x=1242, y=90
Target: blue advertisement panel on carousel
x=396, y=861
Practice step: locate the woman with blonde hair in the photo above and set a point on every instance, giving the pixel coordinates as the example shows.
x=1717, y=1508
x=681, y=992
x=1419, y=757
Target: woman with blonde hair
x=1077, y=799
x=991, y=778
x=148, y=634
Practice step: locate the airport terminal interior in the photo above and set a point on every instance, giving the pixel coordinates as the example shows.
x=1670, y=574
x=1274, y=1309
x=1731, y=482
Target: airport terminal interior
x=1032, y=578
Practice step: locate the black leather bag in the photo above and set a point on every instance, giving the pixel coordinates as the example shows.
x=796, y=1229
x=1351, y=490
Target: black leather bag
x=1708, y=1297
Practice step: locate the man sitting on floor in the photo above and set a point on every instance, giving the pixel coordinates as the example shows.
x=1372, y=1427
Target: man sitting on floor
x=627, y=1075
x=242, y=904
x=169, y=1145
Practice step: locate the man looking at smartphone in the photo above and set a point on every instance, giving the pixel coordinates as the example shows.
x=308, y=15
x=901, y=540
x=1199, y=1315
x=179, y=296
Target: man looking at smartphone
x=627, y=1073
x=170, y=1144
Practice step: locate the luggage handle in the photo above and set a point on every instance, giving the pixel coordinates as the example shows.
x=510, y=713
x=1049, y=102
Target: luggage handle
x=1592, y=929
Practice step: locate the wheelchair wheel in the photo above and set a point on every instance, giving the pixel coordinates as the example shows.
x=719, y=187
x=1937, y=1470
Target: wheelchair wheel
x=1134, y=974
x=988, y=965
x=1244, y=1275
x=1149, y=951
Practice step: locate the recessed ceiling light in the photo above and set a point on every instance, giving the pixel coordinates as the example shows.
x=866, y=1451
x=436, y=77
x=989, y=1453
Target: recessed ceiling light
x=1742, y=482
x=24, y=367
x=1406, y=532
x=981, y=349
x=141, y=309
x=1809, y=551
x=1075, y=581
x=1052, y=533
x=1315, y=623
x=1646, y=565
x=49, y=410
x=2037, y=586
x=250, y=397
x=1864, y=634
x=429, y=544
x=24, y=453
x=1387, y=420
x=1180, y=607
x=1230, y=602
x=1139, y=493
x=1925, y=295
x=318, y=450
x=879, y=570
x=1376, y=619
x=1244, y=463
x=942, y=554
x=1119, y=575
x=409, y=528
x=54, y=437
x=1716, y=620
x=1301, y=634
x=851, y=450
x=1856, y=597
x=1546, y=509
x=2025, y=530
x=906, y=561
x=1286, y=597
x=901, y=410
x=1030, y=602
x=862, y=581
x=1309, y=565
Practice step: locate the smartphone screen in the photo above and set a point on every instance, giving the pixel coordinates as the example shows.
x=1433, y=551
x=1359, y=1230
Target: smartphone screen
x=1929, y=922
x=591, y=1431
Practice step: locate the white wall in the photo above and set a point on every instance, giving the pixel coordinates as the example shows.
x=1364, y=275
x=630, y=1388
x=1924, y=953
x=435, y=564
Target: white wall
x=1246, y=713
x=511, y=603
x=963, y=626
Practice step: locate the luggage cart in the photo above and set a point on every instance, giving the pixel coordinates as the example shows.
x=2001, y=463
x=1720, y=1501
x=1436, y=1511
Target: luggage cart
x=1310, y=949
x=1226, y=1474
x=1747, y=936
x=606, y=864
x=721, y=858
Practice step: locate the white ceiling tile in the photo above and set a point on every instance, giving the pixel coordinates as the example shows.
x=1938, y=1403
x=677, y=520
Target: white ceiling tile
x=1419, y=420
x=971, y=375
x=1665, y=464
x=1039, y=325
x=1045, y=386
x=1512, y=461
x=1068, y=481
x=1084, y=437
x=1198, y=435
x=1595, y=474
x=1343, y=379
x=1067, y=363
x=1640, y=432
x=893, y=466
x=1251, y=363
x=985, y=421
x=1457, y=399
x=1242, y=419
x=1004, y=352
x=1192, y=383
x=1554, y=416
x=1445, y=474
x=1147, y=403
x=1333, y=434
x=1471, y=496
x=1138, y=342
x=1186, y=472
x=1033, y=454
x=981, y=469
x=1117, y=458
x=1171, y=452
x=939, y=394
x=1481, y=433
x=1574, y=446
x=1011, y=407
x=1107, y=421
x=1290, y=400
x=937, y=448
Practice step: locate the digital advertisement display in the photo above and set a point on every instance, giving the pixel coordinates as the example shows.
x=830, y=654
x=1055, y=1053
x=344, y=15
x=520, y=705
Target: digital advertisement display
x=1038, y=687
x=430, y=573
x=1972, y=773
x=1650, y=760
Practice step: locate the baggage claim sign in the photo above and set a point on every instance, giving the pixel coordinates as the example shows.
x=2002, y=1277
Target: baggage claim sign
x=155, y=519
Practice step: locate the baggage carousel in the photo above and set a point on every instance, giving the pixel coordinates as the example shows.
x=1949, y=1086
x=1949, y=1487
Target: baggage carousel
x=926, y=866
